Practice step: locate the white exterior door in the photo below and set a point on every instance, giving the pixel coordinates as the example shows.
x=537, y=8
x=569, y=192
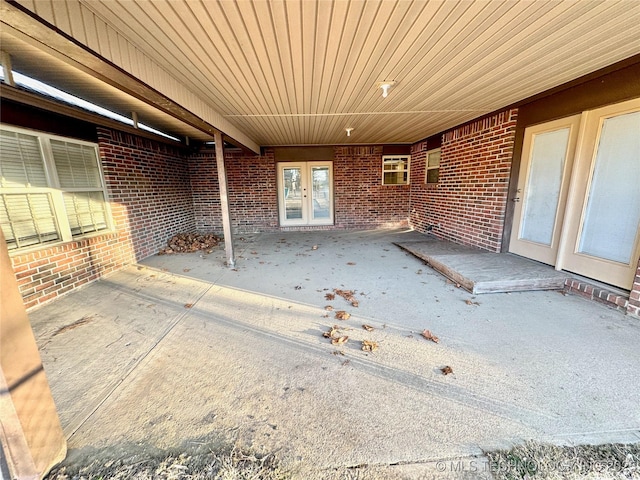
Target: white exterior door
x=602, y=237
x=547, y=158
x=305, y=193
x=579, y=194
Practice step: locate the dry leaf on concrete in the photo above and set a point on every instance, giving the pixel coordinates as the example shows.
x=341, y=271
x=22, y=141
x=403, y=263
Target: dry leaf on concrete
x=471, y=302
x=346, y=294
x=351, y=263
x=368, y=328
x=430, y=336
x=328, y=308
x=369, y=346
x=355, y=303
x=188, y=305
x=342, y=315
x=339, y=340
x=333, y=331
x=329, y=296
x=446, y=370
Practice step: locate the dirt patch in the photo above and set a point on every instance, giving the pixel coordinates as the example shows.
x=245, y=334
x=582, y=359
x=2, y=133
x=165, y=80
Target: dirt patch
x=78, y=323
x=539, y=461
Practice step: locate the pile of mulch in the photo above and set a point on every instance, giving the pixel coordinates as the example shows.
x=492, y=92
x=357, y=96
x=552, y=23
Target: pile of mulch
x=191, y=242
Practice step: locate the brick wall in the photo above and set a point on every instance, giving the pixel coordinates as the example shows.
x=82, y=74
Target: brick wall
x=468, y=204
x=251, y=185
x=205, y=192
x=148, y=185
x=253, y=198
x=361, y=201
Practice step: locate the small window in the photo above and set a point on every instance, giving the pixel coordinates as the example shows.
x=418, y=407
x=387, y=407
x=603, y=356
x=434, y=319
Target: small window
x=51, y=189
x=433, y=166
x=395, y=170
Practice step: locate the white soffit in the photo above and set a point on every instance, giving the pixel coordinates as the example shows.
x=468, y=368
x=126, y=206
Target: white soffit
x=300, y=72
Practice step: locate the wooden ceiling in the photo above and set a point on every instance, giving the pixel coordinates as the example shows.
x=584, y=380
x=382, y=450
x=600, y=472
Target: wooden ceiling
x=301, y=72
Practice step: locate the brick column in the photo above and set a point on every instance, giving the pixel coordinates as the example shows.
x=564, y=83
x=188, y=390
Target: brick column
x=634, y=298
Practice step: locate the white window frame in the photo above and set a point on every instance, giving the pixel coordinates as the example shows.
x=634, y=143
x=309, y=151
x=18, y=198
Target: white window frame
x=56, y=193
x=386, y=159
x=427, y=167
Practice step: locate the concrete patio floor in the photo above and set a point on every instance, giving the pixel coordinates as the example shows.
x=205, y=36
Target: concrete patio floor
x=180, y=350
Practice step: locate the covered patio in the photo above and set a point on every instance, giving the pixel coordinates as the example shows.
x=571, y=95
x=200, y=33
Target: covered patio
x=180, y=351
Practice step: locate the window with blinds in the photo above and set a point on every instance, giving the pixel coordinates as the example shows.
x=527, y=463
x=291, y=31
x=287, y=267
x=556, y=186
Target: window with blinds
x=51, y=189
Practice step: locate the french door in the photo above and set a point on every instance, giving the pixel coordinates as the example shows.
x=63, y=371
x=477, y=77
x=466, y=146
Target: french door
x=305, y=193
x=578, y=204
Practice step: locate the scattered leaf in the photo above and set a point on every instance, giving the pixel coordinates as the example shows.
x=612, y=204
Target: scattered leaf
x=333, y=331
x=185, y=270
x=348, y=295
x=188, y=305
x=338, y=352
x=446, y=370
x=368, y=328
x=369, y=346
x=339, y=340
x=298, y=287
x=430, y=336
x=471, y=302
x=351, y=263
x=342, y=315
x=346, y=362
x=328, y=308
x=329, y=296
x=315, y=247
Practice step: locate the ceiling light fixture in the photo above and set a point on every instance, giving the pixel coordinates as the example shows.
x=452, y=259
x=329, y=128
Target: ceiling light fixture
x=349, y=130
x=386, y=86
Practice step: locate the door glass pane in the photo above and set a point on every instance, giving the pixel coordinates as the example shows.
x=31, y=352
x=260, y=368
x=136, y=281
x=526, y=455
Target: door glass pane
x=542, y=192
x=613, y=209
x=320, y=192
x=292, y=193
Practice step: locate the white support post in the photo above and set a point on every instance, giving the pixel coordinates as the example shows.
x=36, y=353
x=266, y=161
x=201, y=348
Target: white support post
x=8, y=69
x=224, y=201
